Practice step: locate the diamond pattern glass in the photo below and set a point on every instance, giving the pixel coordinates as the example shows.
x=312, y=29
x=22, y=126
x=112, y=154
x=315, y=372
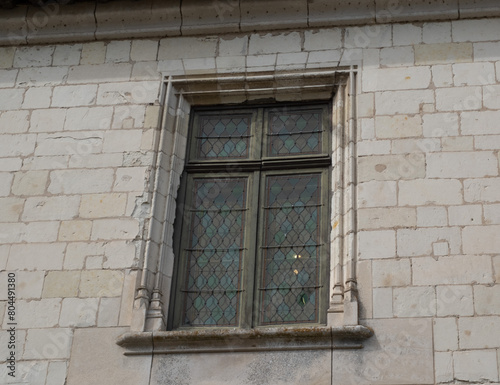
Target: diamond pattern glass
x=295, y=133
x=215, y=253
x=223, y=136
x=290, y=273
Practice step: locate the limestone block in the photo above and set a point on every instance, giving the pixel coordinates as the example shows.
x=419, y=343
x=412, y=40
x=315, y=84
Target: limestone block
x=465, y=215
x=454, y=300
x=74, y=96
x=5, y=183
x=122, y=140
x=379, y=218
x=75, y=231
x=95, y=352
x=472, y=74
x=10, y=164
x=94, y=262
x=12, y=99
x=14, y=122
x=458, y=143
x=452, y=270
x=61, y=284
x=130, y=92
x=11, y=232
x=391, y=167
x=324, y=57
x=51, y=208
x=373, y=147
x=230, y=63
x=475, y=365
x=93, y=53
x=461, y=164
x=88, y=118
x=399, y=126
x=28, y=284
x=48, y=256
x=445, y=334
x=459, y=99
x=80, y=181
x=323, y=39
x=187, y=48
x=443, y=53
x=480, y=123
x=391, y=273
x=129, y=117
x=442, y=75
x=114, y=229
x=99, y=73
x=415, y=242
x=263, y=368
x=401, y=102
x=382, y=302
x=199, y=66
x=41, y=76
x=487, y=142
x=481, y=190
x=103, y=205
x=67, y=55
x=396, y=56
x=17, y=145
x=377, y=194
x=406, y=34
x=479, y=332
x=7, y=56
x=8, y=78
x=109, y=310
x=33, y=372
x=101, y=283
x=48, y=344
x=422, y=192
x=401, y=353
x=77, y=252
x=35, y=56
x=443, y=364
x=475, y=30
x=145, y=70
x=486, y=51
x=37, y=97
x=46, y=310
x=48, y=120
x=496, y=268
x=118, y=51
x=481, y=239
x=416, y=147
x=391, y=79
x=377, y=244
x=56, y=373
x=487, y=299
x=40, y=232
x=233, y=46
x=144, y=50
x=78, y=312
x=260, y=44
x=10, y=209
x=119, y=255
x=414, y=301
x=128, y=294
x=440, y=124
x=433, y=33
x=492, y=214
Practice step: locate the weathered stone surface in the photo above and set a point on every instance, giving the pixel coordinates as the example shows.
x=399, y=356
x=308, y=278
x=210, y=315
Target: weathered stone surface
x=94, y=352
x=399, y=353
x=272, y=368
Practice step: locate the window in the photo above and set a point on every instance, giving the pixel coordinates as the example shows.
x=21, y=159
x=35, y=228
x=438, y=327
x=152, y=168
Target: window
x=254, y=228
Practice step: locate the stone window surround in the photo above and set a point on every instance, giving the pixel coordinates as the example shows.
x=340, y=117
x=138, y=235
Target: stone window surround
x=148, y=330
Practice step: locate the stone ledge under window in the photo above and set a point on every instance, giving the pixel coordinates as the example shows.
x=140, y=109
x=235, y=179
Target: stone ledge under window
x=244, y=340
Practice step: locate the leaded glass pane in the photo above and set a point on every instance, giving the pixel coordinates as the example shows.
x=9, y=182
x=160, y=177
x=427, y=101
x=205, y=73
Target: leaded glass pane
x=291, y=249
x=215, y=252
x=295, y=133
x=223, y=136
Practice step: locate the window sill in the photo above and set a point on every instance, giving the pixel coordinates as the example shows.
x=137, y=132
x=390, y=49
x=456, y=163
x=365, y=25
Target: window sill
x=244, y=340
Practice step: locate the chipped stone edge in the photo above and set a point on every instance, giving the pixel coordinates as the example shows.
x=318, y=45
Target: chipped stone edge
x=244, y=340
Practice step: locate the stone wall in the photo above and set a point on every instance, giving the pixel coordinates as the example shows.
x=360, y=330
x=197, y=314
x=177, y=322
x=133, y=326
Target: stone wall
x=79, y=129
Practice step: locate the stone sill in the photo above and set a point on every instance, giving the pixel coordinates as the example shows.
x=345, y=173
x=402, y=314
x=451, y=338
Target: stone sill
x=244, y=340
x=89, y=21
